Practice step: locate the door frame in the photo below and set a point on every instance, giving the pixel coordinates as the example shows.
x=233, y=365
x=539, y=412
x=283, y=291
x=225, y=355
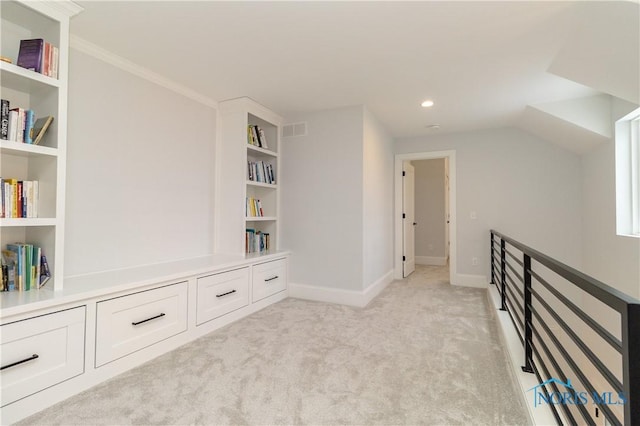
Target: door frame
x=451, y=155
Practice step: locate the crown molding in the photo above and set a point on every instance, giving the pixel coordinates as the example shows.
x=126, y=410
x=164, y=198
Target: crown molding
x=102, y=54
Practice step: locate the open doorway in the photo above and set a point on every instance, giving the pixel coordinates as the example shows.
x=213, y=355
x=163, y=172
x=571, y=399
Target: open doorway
x=431, y=212
x=411, y=244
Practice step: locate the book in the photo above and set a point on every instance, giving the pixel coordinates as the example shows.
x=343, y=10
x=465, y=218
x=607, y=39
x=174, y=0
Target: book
x=4, y=116
x=30, y=54
x=263, y=138
x=46, y=59
x=29, y=121
x=45, y=273
x=9, y=260
x=56, y=60
x=254, y=135
x=13, y=125
x=19, y=124
x=20, y=264
x=40, y=127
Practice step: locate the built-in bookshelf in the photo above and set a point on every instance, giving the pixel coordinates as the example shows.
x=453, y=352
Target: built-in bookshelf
x=44, y=163
x=250, y=137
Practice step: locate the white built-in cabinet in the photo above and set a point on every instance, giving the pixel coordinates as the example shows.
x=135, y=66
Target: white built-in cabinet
x=54, y=344
x=27, y=89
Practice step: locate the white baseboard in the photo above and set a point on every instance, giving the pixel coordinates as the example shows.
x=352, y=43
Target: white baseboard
x=464, y=280
x=336, y=295
x=430, y=260
x=540, y=415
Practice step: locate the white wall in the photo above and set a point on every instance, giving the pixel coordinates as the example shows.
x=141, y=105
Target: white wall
x=139, y=171
x=430, y=208
x=322, y=199
x=377, y=200
x=610, y=258
x=516, y=183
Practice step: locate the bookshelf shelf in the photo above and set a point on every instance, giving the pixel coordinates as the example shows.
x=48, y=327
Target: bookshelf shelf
x=240, y=118
x=255, y=150
x=26, y=150
x=38, y=221
x=24, y=80
x=261, y=184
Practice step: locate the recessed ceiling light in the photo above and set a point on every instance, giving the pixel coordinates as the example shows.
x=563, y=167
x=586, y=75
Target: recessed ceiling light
x=428, y=103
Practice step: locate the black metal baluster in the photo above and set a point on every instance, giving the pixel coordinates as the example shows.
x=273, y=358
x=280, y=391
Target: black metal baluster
x=491, y=257
x=631, y=366
x=528, y=337
x=503, y=281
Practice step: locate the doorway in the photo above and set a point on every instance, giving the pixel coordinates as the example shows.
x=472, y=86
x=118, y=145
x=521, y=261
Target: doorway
x=401, y=236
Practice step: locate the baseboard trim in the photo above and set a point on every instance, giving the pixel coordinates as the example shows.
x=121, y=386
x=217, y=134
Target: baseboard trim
x=339, y=296
x=540, y=415
x=431, y=261
x=465, y=280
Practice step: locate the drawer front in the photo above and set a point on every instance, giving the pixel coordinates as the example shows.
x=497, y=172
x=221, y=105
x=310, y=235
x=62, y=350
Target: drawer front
x=269, y=278
x=129, y=323
x=51, y=348
x=220, y=294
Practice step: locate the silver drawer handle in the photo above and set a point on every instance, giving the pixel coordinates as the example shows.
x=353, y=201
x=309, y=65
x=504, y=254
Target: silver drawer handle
x=148, y=319
x=31, y=358
x=225, y=294
x=271, y=279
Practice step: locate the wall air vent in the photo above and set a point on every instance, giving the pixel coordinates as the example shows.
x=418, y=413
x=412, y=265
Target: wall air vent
x=294, y=129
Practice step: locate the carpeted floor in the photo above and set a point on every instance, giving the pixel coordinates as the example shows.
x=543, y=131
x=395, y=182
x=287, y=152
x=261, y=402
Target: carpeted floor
x=423, y=352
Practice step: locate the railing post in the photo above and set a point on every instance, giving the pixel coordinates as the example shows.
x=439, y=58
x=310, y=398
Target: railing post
x=491, y=257
x=503, y=272
x=630, y=364
x=528, y=335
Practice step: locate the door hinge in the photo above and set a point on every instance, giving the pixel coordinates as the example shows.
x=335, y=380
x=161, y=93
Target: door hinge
x=404, y=258
x=403, y=173
x=404, y=215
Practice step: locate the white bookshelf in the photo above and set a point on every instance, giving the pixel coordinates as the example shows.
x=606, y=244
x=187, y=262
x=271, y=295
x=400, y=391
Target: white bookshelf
x=27, y=89
x=234, y=187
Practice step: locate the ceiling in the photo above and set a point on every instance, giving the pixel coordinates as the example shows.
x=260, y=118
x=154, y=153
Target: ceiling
x=481, y=62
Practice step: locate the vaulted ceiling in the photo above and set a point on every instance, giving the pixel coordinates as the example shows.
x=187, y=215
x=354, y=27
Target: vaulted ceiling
x=485, y=64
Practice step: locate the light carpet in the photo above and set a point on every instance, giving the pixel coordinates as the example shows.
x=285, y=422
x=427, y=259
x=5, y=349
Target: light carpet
x=422, y=352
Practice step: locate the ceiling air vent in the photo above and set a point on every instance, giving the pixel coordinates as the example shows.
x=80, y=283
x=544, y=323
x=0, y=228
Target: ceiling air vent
x=294, y=129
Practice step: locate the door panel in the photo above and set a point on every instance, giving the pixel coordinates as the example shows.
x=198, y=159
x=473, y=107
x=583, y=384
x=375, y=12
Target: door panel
x=408, y=223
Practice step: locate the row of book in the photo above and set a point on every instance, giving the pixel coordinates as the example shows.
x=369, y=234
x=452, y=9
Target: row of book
x=24, y=267
x=254, y=208
x=19, y=198
x=256, y=241
x=40, y=56
x=21, y=125
x=259, y=171
x=256, y=136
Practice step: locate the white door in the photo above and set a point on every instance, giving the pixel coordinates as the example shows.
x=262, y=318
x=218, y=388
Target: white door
x=408, y=222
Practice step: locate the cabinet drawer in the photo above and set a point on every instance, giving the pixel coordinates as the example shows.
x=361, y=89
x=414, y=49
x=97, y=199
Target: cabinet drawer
x=219, y=294
x=40, y=352
x=129, y=323
x=269, y=278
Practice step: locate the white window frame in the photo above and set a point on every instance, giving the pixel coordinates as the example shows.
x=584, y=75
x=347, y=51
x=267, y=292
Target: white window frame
x=628, y=175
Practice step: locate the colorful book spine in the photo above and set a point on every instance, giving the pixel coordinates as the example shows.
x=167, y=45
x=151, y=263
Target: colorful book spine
x=29, y=121
x=4, y=116
x=30, y=54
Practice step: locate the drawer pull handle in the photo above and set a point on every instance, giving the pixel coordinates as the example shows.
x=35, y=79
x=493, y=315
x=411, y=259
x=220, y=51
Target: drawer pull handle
x=224, y=294
x=31, y=358
x=271, y=279
x=148, y=319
